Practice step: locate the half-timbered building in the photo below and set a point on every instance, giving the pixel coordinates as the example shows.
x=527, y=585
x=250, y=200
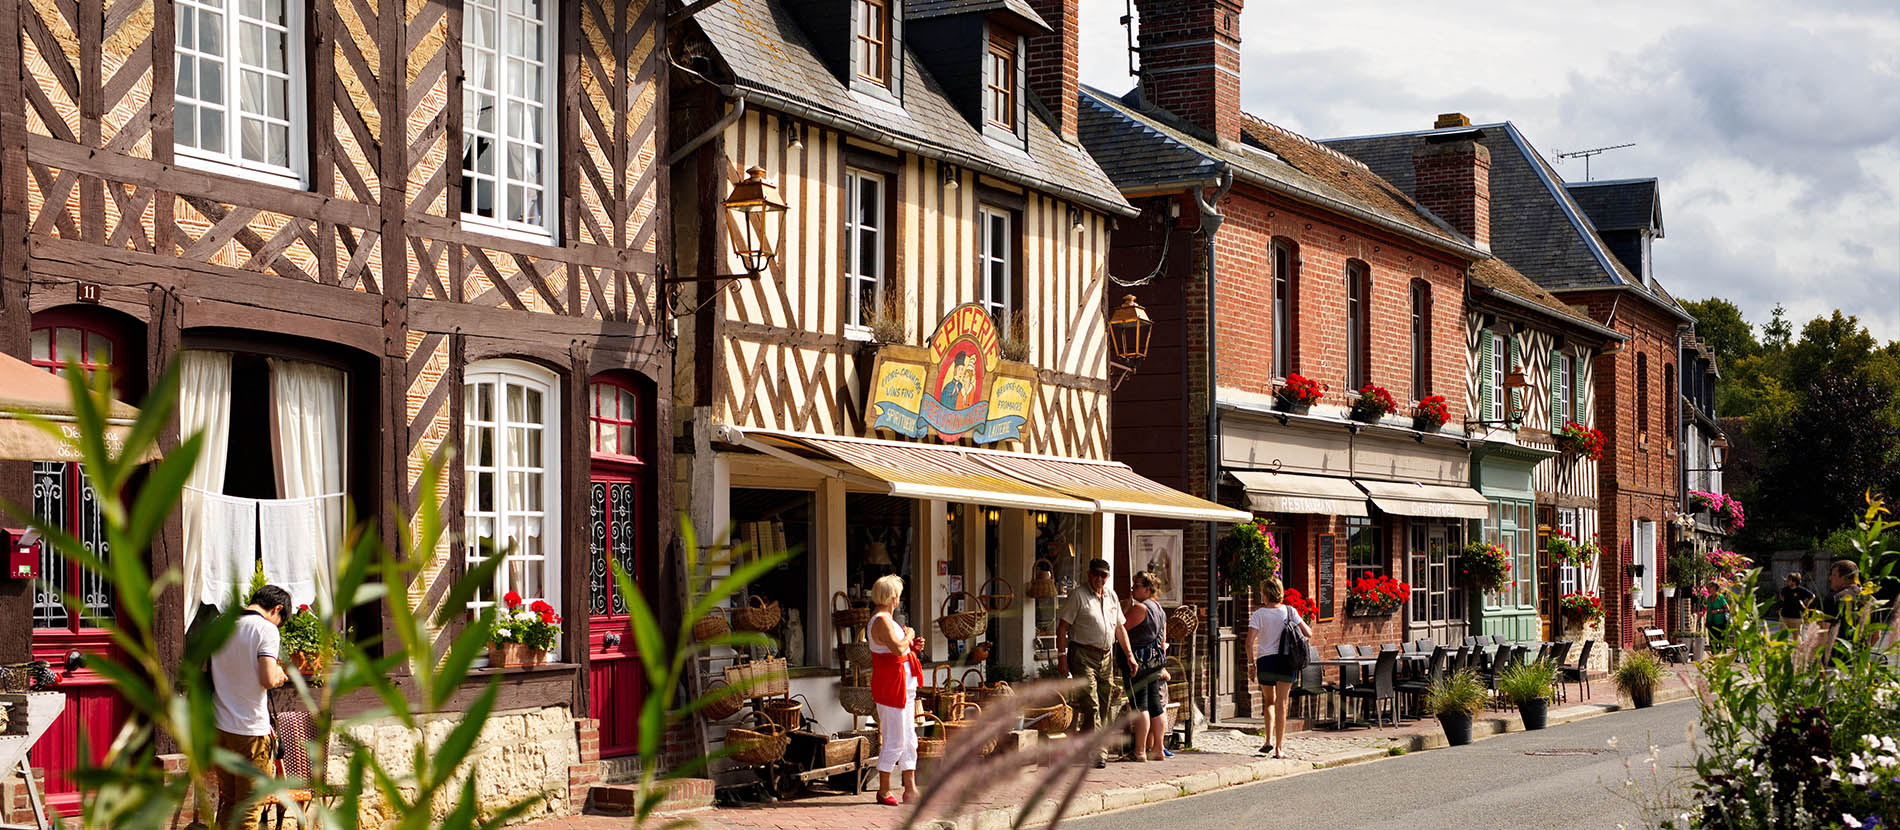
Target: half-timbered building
x=917, y=383
x=1317, y=269
x=366, y=231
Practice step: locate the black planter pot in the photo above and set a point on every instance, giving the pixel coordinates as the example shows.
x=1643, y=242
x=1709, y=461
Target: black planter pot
x=1643, y=698
x=1423, y=424
x=1286, y=405
x=1369, y=416
x=1536, y=713
x=1457, y=727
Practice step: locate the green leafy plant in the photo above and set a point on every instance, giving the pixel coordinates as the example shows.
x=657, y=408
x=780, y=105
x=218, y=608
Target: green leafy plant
x=1457, y=692
x=1639, y=673
x=1528, y=681
x=301, y=633
x=536, y=626
x=1249, y=555
x=1486, y=567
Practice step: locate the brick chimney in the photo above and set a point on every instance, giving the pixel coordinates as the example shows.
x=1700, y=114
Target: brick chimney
x=1052, y=62
x=1190, y=61
x=1452, y=174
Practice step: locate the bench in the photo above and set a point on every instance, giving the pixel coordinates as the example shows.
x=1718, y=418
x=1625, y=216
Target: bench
x=1659, y=643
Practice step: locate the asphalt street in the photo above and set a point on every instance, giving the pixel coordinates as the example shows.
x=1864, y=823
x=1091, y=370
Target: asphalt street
x=1567, y=776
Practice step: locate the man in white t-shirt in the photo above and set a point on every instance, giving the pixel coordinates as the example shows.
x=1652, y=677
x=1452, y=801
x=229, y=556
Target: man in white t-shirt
x=243, y=671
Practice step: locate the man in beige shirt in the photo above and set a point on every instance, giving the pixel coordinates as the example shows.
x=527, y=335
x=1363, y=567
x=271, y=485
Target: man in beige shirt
x=1090, y=621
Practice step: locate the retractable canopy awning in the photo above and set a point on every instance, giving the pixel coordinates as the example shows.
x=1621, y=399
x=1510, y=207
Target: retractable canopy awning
x=923, y=471
x=1113, y=487
x=29, y=389
x=1437, y=501
x=1276, y=492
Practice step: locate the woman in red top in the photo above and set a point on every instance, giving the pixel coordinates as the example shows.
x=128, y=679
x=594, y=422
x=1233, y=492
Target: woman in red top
x=895, y=675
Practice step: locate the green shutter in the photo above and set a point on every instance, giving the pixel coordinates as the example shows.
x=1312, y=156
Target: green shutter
x=1559, y=391
x=1517, y=362
x=1484, y=377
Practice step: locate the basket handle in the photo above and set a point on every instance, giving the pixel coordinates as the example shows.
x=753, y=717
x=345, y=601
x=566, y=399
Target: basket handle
x=764, y=722
x=927, y=714
x=944, y=609
x=945, y=669
x=946, y=685
x=965, y=708
x=1008, y=589
x=756, y=602
x=1043, y=564
x=965, y=681
x=836, y=596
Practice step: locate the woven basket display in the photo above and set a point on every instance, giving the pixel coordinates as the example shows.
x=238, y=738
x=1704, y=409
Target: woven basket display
x=931, y=746
x=1043, y=585
x=762, y=742
x=724, y=707
x=1182, y=622
x=844, y=615
x=927, y=695
x=783, y=711
x=961, y=721
x=858, y=654
x=15, y=679
x=760, y=678
x=1177, y=686
x=841, y=750
x=857, y=700
x=950, y=699
x=710, y=626
x=760, y=614
x=963, y=625
x=1049, y=720
x=999, y=599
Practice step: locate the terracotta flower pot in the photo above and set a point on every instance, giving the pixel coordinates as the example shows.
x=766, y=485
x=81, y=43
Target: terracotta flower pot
x=513, y=655
x=310, y=665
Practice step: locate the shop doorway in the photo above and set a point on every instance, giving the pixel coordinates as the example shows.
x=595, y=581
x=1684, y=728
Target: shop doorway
x=618, y=525
x=1438, y=600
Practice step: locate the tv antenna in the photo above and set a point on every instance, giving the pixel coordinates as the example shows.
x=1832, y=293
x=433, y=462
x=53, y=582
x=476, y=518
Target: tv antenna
x=1586, y=154
x=1128, y=28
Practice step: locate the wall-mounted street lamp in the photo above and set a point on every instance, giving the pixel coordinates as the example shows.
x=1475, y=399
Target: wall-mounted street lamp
x=1513, y=381
x=761, y=220
x=1129, y=328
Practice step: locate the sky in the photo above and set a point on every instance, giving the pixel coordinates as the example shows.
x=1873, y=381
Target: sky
x=1773, y=127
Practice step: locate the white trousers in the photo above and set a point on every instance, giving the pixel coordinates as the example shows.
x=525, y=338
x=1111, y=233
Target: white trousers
x=898, y=728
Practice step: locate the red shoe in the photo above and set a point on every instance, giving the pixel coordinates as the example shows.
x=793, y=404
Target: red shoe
x=887, y=800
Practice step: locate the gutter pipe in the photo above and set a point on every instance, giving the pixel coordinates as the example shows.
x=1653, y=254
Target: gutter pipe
x=1211, y=220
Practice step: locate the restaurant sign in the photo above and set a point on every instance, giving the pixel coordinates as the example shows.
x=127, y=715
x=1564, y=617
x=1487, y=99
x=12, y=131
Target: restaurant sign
x=958, y=387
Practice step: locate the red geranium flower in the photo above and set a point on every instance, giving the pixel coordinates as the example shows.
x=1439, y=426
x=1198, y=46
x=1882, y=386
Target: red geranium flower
x=512, y=599
x=302, y=608
x=541, y=606
x=547, y=617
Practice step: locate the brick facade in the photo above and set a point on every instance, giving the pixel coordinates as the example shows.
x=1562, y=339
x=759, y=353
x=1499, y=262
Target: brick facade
x=1190, y=61
x=1053, y=62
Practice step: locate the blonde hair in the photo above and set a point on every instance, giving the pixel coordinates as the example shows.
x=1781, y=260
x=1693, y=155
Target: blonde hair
x=1271, y=590
x=1143, y=578
x=886, y=590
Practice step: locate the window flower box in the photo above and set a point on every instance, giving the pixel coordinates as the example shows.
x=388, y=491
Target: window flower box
x=1298, y=394
x=1372, y=404
x=1430, y=413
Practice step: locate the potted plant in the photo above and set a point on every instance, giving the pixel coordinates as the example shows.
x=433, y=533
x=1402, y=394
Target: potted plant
x=1487, y=567
x=1580, y=608
x=1375, y=595
x=1430, y=413
x=1373, y=403
x=301, y=637
x=1455, y=699
x=1298, y=394
x=1309, y=610
x=522, y=636
x=1530, y=686
x=1249, y=554
x=1668, y=590
x=1576, y=439
x=1638, y=676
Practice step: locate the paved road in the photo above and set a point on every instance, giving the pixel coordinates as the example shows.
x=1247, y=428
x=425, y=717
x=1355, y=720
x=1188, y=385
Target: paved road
x=1565, y=777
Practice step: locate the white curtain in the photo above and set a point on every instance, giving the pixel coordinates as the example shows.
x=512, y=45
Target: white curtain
x=307, y=403
x=204, y=409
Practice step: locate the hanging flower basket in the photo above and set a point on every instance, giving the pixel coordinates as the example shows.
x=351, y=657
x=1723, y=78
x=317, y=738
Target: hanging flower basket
x=1580, y=608
x=1577, y=440
x=1249, y=554
x=1486, y=567
x=1298, y=394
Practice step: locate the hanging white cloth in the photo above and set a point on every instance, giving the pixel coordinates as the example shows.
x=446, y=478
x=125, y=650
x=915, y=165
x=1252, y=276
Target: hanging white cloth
x=294, y=538
x=204, y=409
x=307, y=406
x=228, y=547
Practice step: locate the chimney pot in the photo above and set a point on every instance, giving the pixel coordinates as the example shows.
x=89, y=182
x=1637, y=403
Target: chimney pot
x=1451, y=119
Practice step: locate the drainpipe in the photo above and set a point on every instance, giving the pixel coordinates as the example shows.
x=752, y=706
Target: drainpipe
x=1211, y=219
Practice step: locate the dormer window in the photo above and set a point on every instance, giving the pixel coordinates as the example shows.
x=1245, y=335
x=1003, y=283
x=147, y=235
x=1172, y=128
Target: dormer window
x=872, y=47
x=999, y=78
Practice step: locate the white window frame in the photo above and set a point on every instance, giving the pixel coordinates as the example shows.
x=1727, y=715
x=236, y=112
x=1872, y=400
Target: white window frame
x=499, y=376
x=1569, y=577
x=233, y=69
x=857, y=317
x=1560, y=390
x=994, y=251
x=1643, y=534
x=1500, y=402
x=545, y=97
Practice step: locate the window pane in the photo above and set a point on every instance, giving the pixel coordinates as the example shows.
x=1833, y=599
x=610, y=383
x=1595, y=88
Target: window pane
x=67, y=346
x=210, y=32
x=42, y=345
x=211, y=81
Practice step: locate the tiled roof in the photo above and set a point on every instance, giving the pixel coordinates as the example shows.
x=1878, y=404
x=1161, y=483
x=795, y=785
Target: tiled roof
x=767, y=52
x=1498, y=275
x=925, y=9
x=1624, y=204
x=1142, y=148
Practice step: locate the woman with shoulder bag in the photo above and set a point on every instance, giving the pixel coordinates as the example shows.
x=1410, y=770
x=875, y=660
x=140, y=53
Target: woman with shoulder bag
x=1273, y=670
x=1145, y=624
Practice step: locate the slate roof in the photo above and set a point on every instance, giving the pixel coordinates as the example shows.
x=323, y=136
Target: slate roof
x=773, y=62
x=926, y=9
x=1141, y=148
x=1497, y=275
x=1619, y=205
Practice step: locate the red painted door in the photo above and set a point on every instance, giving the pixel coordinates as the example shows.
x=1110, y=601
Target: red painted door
x=619, y=521
x=72, y=606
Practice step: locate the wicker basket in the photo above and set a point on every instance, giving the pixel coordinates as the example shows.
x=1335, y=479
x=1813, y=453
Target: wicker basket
x=1043, y=586
x=15, y=679
x=927, y=695
x=845, y=615
x=963, y=625
x=783, y=711
x=1177, y=685
x=760, y=678
x=932, y=747
x=760, y=614
x=710, y=626
x=857, y=700
x=1183, y=621
x=1049, y=720
x=762, y=743
x=950, y=699
x=957, y=724
x=997, y=600
x=722, y=708
x=857, y=654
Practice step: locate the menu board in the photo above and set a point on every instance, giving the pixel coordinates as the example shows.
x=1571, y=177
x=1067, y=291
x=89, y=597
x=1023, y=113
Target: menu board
x=1323, y=575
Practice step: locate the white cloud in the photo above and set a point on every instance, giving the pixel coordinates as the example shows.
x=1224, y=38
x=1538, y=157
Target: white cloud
x=1773, y=125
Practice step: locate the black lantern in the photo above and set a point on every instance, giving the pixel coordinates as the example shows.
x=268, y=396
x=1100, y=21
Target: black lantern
x=760, y=215
x=1129, y=328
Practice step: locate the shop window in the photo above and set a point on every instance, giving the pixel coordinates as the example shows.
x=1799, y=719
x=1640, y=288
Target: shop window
x=1285, y=256
x=1059, y=543
x=238, y=95
x=1509, y=526
x=1365, y=549
x=508, y=122
x=512, y=504
x=772, y=521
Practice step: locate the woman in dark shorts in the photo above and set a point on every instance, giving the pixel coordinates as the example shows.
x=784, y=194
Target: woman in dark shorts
x=1146, y=635
x=1270, y=668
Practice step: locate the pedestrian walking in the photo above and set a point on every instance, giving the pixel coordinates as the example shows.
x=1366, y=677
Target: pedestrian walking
x=1842, y=603
x=1090, y=621
x=1149, y=644
x=1793, y=602
x=896, y=673
x=1271, y=669
x=243, y=671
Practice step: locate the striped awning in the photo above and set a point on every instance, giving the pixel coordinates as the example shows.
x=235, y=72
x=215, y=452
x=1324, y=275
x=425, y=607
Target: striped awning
x=1113, y=487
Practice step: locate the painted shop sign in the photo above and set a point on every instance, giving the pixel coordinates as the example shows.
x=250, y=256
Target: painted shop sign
x=958, y=387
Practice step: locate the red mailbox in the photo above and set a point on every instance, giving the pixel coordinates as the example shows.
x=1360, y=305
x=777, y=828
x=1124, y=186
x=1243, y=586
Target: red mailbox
x=23, y=553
